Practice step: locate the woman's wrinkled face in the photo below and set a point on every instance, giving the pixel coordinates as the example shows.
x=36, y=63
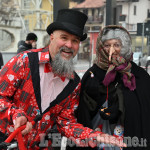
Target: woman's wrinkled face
x=113, y=47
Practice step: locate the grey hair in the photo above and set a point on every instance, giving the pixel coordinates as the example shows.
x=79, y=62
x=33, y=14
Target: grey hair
x=62, y=67
x=123, y=36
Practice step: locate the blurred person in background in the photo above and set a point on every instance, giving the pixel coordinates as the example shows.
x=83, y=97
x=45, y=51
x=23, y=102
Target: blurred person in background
x=115, y=96
x=29, y=43
x=1, y=60
x=43, y=82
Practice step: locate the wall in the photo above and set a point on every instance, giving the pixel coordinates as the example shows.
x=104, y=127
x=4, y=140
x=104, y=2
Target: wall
x=7, y=56
x=141, y=11
x=16, y=34
x=93, y=39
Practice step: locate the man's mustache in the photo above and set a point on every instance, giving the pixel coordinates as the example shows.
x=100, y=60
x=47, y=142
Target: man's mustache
x=66, y=49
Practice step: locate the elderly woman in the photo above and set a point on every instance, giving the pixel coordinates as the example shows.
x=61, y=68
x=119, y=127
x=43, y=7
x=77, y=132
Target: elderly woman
x=115, y=93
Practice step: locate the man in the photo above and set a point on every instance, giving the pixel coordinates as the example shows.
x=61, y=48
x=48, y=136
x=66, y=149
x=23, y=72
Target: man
x=1, y=60
x=30, y=43
x=42, y=81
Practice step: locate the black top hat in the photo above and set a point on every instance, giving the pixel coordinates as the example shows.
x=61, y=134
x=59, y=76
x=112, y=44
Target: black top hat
x=71, y=21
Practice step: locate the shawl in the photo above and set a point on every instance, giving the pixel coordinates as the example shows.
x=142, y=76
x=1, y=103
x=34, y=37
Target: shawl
x=117, y=64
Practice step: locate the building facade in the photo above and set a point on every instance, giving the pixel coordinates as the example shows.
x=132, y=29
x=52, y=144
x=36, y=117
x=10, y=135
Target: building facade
x=128, y=13
x=19, y=17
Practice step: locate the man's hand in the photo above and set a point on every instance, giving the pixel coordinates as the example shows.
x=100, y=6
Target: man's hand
x=109, y=139
x=34, y=45
x=22, y=121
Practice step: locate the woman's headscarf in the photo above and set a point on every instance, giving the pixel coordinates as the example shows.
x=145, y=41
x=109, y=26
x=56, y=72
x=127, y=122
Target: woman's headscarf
x=119, y=64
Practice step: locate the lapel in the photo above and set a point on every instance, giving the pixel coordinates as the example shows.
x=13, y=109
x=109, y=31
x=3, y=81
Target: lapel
x=34, y=67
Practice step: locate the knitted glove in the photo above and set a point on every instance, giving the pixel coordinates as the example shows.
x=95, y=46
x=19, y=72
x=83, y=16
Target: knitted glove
x=111, y=113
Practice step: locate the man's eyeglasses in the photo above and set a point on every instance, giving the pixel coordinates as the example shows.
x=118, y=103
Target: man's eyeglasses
x=116, y=46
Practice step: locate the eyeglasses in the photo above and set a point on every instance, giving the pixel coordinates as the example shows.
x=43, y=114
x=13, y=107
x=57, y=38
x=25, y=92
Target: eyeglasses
x=116, y=46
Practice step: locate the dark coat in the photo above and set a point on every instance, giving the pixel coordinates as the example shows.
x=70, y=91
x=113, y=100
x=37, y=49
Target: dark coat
x=136, y=103
x=22, y=46
x=1, y=60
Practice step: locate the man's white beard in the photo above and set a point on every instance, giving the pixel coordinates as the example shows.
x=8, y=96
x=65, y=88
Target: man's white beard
x=62, y=67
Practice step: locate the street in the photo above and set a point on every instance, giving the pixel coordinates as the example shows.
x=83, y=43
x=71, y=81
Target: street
x=82, y=65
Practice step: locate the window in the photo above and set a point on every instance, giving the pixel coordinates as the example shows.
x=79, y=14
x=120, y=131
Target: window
x=85, y=11
x=6, y=39
x=148, y=13
x=135, y=0
x=93, y=11
x=134, y=11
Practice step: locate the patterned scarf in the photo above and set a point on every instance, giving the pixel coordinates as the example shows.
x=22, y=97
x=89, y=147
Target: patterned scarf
x=117, y=64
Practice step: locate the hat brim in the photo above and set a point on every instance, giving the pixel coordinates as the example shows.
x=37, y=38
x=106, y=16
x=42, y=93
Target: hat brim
x=70, y=28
